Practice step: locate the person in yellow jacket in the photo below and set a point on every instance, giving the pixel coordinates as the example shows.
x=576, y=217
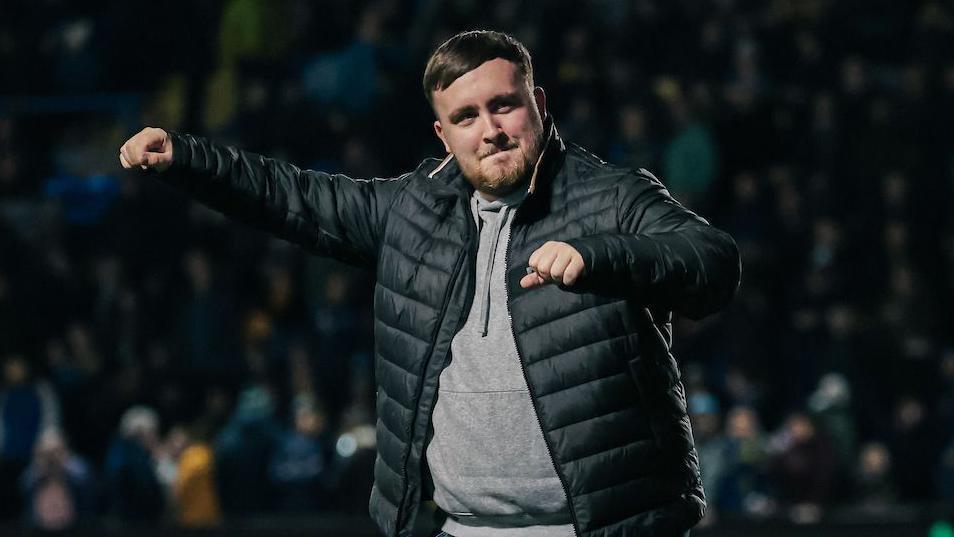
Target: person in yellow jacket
x=196, y=499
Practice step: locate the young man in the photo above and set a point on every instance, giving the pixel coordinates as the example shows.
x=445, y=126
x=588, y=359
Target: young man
x=522, y=306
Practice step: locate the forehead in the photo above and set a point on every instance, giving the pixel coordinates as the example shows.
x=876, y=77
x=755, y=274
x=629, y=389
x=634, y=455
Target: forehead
x=488, y=80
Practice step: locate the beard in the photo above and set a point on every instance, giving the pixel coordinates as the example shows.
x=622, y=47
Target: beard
x=503, y=180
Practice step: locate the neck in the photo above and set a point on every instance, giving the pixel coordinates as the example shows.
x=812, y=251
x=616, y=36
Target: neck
x=514, y=197
x=520, y=186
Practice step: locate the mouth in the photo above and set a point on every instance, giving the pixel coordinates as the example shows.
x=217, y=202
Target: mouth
x=497, y=152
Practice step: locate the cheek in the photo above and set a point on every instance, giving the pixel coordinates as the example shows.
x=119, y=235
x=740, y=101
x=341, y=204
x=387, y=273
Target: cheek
x=463, y=143
x=520, y=126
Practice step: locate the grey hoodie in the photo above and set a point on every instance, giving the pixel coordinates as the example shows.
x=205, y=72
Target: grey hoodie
x=490, y=466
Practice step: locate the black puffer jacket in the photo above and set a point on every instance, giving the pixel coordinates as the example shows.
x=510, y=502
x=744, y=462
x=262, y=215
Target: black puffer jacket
x=596, y=356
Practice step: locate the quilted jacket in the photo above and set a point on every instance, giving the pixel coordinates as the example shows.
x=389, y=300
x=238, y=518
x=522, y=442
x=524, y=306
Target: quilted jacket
x=604, y=385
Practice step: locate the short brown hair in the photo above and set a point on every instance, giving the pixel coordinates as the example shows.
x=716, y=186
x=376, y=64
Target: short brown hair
x=468, y=50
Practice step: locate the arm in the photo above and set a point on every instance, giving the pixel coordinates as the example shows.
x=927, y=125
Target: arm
x=665, y=254
x=329, y=214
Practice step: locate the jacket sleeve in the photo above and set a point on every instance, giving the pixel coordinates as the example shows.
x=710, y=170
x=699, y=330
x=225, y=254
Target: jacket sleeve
x=328, y=214
x=665, y=254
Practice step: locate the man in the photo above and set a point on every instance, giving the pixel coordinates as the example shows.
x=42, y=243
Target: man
x=522, y=306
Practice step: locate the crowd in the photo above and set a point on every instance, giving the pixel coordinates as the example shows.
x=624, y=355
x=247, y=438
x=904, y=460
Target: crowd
x=162, y=363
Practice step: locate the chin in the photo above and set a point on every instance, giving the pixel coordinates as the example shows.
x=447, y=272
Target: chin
x=499, y=178
x=503, y=183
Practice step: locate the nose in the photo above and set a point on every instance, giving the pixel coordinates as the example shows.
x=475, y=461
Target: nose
x=492, y=131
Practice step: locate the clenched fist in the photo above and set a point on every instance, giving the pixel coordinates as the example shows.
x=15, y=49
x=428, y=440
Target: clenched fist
x=555, y=262
x=150, y=149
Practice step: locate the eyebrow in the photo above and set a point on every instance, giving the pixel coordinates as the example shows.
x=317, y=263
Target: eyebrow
x=459, y=114
x=503, y=98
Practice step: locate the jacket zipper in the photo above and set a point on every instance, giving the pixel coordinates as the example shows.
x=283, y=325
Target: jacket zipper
x=469, y=251
x=533, y=398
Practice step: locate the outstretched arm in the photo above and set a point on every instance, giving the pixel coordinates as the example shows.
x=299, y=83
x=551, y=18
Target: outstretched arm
x=329, y=214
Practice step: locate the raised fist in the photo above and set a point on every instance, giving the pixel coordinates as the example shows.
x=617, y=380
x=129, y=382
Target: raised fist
x=150, y=149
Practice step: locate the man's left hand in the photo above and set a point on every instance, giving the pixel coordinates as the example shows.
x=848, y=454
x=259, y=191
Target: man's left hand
x=554, y=262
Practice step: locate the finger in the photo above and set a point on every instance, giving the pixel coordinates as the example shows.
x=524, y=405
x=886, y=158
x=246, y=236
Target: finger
x=539, y=252
x=544, y=262
x=132, y=152
x=160, y=161
x=137, y=148
x=543, y=256
x=150, y=161
x=155, y=140
x=573, y=272
x=534, y=257
x=559, y=266
x=531, y=280
x=124, y=162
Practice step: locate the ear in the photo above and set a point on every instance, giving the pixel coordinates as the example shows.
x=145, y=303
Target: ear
x=541, y=98
x=440, y=134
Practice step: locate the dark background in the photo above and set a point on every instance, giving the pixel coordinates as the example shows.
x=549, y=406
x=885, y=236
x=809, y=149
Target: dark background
x=816, y=132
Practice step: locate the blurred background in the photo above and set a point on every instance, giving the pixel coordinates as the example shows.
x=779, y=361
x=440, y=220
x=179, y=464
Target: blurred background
x=164, y=369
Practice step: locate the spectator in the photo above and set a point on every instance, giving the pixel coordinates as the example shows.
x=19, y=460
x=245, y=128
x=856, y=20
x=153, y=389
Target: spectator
x=712, y=446
x=299, y=467
x=167, y=455
x=802, y=464
x=690, y=161
x=743, y=490
x=353, y=464
x=58, y=486
x=914, y=449
x=632, y=145
x=830, y=406
x=133, y=491
x=830, y=163
x=194, y=493
x=874, y=491
x=27, y=406
x=242, y=451
x=204, y=321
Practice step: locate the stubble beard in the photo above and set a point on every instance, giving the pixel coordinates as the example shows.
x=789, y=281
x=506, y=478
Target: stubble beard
x=505, y=181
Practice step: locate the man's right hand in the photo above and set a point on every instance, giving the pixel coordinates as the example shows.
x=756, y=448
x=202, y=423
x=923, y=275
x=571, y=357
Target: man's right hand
x=150, y=149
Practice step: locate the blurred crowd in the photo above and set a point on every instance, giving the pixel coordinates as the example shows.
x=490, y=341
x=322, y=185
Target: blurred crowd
x=163, y=364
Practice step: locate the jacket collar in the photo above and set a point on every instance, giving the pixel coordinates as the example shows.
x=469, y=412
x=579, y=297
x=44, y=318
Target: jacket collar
x=550, y=159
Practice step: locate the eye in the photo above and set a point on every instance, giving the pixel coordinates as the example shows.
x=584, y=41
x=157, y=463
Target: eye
x=463, y=118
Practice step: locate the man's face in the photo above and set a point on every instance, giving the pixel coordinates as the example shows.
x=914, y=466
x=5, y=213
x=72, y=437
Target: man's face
x=493, y=124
